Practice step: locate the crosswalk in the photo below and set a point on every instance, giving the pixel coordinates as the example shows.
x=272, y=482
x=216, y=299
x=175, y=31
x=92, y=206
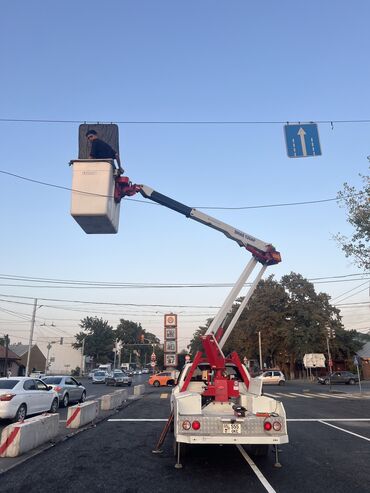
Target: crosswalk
x=311, y=395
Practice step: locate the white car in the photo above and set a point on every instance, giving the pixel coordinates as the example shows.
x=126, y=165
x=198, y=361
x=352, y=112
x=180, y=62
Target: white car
x=22, y=396
x=272, y=377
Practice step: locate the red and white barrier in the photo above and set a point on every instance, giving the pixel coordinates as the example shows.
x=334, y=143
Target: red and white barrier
x=82, y=414
x=18, y=438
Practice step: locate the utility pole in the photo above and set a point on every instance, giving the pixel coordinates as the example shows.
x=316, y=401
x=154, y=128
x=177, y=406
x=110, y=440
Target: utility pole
x=6, y=339
x=260, y=349
x=47, y=357
x=31, y=336
x=82, y=365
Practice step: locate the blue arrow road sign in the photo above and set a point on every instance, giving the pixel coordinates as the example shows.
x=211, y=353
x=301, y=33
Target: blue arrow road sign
x=302, y=140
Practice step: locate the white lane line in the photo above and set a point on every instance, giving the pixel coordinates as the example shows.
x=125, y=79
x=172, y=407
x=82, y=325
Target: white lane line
x=256, y=471
x=269, y=395
x=164, y=396
x=286, y=395
x=302, y=395
x=335, y=396
x=128, y=420
x=318, y=395
x=345, y=431
x=325, y=419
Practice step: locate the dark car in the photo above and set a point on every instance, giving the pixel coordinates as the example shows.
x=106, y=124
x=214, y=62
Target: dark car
x=118, y=377
x=339, y=377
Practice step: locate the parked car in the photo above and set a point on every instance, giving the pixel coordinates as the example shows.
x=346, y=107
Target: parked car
x=118, y=377
x=91, y=373
x=339, y=377
x=69, y=390
x=99, y=376
x=272, y=377
x=23, y=396
x=162, y=378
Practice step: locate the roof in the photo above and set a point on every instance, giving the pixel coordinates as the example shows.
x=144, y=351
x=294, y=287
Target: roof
x=365, y=351
x=11, y=354
x=19, y=349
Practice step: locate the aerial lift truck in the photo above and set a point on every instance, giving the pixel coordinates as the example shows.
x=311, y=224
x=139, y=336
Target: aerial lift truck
x=215, y=400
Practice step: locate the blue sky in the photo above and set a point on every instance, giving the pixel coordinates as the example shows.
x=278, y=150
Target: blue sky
x=165, y=61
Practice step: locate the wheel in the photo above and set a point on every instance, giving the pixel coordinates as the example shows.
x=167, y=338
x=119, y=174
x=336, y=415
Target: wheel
x=281, y=382
x=65, y=400
x=21, y=413
x=260, y=450
x=351, y=381
x=83, y=397
x=156, y=383
x=326, y=381
x=54, y=406
x=170, y=383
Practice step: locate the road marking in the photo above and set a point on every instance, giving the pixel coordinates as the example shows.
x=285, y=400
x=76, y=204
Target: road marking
x=319, y=395
x=164, y=396
x=326, y=419
x=345, y=431
x=286, y=395
x=140, y=420
x=302, y=395
x=255, y=469
x=335, y=396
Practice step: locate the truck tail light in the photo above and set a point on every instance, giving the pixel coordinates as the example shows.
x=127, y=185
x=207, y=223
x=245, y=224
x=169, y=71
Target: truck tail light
x=276, y=425
x=267, y=425
x=195, y=425
x=6, y=397
x=186, y=425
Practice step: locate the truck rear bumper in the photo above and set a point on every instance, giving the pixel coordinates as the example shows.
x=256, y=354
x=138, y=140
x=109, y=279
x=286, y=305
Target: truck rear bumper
x=232, y=440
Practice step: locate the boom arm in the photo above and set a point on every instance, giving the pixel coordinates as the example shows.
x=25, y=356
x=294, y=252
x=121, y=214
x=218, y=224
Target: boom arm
x=262, y=252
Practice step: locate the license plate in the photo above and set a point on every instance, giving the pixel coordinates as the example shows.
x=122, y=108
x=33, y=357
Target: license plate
x=232, y=428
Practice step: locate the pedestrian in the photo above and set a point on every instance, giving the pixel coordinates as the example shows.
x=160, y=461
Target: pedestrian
x=102, y=150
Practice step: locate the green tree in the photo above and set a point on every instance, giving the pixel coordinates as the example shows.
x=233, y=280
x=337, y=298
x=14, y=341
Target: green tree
x=137, y=342
x=99, y=339
x=357, y=203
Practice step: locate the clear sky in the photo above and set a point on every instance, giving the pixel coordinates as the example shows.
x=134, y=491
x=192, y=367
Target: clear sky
x=145, y=61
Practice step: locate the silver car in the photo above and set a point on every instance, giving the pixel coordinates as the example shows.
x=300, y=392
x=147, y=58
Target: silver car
x=69, y=390
x=99, y=376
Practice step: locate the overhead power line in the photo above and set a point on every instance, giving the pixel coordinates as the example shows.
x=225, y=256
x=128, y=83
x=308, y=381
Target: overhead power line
x=180, y=122
x=285, y=204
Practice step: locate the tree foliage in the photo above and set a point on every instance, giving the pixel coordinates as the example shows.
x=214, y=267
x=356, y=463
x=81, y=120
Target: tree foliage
x=99, y=339
x=292, y=320
x=357, y=203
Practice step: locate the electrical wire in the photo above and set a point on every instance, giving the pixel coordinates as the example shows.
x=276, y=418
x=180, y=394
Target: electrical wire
x=286, y=204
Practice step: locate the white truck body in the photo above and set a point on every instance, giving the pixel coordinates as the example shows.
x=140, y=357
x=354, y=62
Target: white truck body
x=218, y=421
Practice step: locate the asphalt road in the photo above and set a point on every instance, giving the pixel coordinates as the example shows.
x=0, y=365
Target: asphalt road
x=327, y=452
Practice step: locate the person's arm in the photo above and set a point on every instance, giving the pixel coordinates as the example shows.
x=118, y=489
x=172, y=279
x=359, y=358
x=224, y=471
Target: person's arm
x=119, y=162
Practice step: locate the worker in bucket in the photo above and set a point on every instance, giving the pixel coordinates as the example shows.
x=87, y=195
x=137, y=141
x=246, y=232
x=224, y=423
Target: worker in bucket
x=102, y=150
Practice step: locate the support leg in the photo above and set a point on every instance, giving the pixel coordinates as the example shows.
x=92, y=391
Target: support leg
x=277, y=463
x=178, y=464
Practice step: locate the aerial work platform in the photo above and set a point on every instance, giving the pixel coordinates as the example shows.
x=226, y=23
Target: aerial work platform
x=92, y=204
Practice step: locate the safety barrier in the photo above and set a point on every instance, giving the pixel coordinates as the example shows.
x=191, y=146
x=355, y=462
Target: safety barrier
x=82, y=414
x=123, y=393
x=110, y=401
x=18, y=438
x=139, y=389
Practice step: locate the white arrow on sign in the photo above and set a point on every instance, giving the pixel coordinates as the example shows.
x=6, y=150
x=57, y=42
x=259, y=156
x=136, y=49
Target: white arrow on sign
x=301, y=134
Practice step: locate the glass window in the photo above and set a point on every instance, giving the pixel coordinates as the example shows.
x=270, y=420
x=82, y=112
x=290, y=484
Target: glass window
x=52, y=380
x=29, y=385
x=40, y=385
x=70, y=381
x=8, y=384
